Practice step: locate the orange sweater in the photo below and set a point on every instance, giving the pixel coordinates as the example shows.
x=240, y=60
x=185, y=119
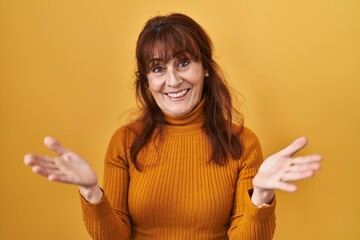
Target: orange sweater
x=178, y=194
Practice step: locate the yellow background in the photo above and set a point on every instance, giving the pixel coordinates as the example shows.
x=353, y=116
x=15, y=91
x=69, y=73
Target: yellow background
x=66, y=70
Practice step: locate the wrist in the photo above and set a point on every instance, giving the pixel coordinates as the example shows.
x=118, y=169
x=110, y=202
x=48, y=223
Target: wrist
x=92, y=194
x=262, y=197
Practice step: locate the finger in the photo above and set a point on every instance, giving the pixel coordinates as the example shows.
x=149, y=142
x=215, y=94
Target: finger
x=46, y=166
x=42, y=171
x=56, y=177
x=315, y=166
x=307, y=159
x=30, y=159
x=296, y=176
x=295, y=146
x=287, y=187
x=45, y=161
x=55, y=145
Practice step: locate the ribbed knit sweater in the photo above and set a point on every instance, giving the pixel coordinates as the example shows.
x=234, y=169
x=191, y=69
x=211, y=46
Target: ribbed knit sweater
x=179, y=194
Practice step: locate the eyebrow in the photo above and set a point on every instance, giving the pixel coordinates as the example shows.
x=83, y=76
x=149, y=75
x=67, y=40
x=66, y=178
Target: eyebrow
x=154, y=61
x=182, y=53
x=178, y=54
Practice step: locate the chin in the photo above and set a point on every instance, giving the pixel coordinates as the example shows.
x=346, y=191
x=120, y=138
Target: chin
x=178, y=113
x=183, y=112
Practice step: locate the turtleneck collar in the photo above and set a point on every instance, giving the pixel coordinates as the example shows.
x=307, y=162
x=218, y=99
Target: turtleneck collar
x=196, y=116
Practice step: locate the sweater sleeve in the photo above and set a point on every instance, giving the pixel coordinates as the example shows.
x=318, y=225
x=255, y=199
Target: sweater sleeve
x=109, y=218
x=249, y=222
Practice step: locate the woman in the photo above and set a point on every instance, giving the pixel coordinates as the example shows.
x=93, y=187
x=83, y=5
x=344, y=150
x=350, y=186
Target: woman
x=183, y=169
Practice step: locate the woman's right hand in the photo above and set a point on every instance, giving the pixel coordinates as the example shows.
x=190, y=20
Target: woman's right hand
x=67, y=167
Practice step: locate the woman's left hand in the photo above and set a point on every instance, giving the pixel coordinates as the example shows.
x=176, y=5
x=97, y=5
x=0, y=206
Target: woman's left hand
x=280, y=169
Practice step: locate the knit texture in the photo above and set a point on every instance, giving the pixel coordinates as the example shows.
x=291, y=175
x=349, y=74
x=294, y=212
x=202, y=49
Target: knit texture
x=179, y=194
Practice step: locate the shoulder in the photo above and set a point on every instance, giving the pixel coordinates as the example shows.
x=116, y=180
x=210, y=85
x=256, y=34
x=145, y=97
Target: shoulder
x=124, y=135
x=121, y=140
x=251, y=146
x=128, y=129
x=245, y=134
x=133, y=128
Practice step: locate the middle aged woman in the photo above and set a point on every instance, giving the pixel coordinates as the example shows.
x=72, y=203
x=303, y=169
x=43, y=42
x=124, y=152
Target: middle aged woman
x=183, y=169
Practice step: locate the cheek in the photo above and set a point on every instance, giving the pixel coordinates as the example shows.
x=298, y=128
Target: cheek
x=195, y=77
x=198, y=81
x=155, y=85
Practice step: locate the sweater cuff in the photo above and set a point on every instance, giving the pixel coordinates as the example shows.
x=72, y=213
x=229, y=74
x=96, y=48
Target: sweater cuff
x=254, y=213
x=98, y=210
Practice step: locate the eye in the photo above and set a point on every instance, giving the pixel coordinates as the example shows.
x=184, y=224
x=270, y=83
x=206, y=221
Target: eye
x=157, y=69
x=183, y=63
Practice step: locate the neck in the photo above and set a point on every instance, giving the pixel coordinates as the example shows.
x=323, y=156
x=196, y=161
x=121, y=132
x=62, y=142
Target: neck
x=195, y=116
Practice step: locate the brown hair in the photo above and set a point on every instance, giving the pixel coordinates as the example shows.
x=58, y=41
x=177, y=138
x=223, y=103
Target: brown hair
x=169, y=35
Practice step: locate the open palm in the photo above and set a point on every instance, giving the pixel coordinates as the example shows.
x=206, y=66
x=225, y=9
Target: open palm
x=67, y=167
x=282, y=168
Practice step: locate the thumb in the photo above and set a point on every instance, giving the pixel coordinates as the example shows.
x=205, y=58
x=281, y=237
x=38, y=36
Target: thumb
x=295, y=146
x=55, y=145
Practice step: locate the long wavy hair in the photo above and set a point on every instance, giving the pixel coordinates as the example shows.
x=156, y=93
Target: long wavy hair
x=166, y=36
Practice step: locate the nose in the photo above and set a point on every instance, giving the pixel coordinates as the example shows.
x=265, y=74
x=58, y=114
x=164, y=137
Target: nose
x=173, y=79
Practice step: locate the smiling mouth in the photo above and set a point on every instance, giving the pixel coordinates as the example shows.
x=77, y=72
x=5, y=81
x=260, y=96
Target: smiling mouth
x=178, y=95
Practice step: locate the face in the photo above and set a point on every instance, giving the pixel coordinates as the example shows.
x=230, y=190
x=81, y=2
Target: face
x=176, y=85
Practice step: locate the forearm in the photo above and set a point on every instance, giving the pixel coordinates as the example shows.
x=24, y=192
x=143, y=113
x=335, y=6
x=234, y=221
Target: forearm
x=255, y=223
x=104, y=222
x=248, y=221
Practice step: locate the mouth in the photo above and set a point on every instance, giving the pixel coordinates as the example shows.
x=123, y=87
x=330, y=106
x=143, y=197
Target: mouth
x=177, y=95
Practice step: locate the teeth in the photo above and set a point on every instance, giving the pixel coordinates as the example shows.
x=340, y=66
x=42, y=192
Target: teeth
x=178, y=94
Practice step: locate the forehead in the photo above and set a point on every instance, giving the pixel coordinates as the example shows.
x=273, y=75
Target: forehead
x=159, y=55
x=166, y=50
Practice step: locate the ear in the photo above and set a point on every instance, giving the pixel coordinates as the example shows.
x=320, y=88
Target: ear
x=206, y=72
